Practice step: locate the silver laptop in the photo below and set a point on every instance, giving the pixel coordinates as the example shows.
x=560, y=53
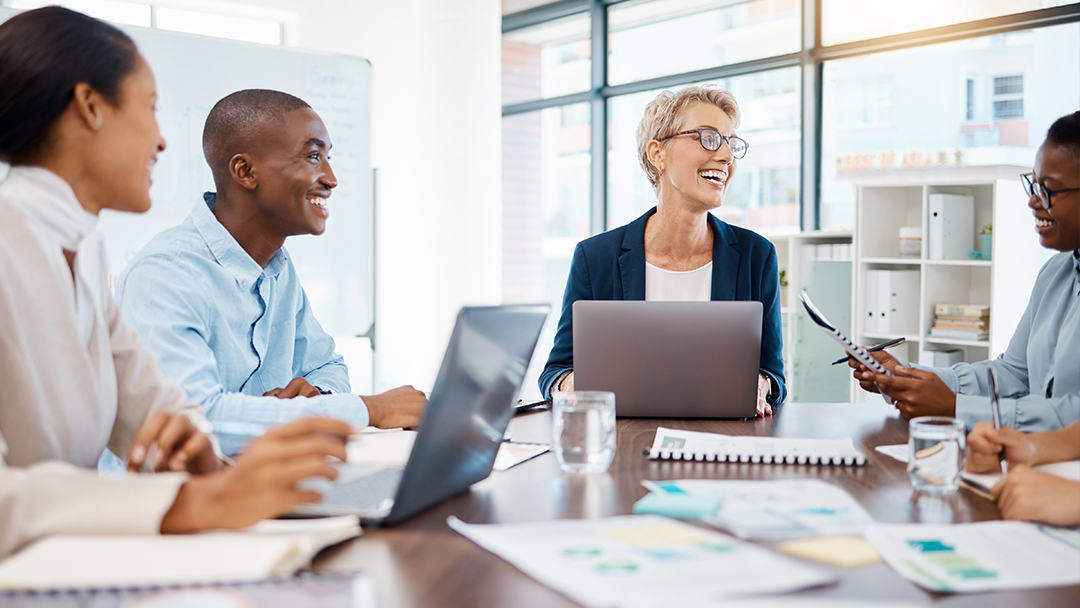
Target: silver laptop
x=462, y=426
x=670, y=359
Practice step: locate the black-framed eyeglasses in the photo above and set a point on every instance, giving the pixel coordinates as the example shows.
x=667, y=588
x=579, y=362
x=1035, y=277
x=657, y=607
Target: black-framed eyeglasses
x=711, y=140
x=1040, y=191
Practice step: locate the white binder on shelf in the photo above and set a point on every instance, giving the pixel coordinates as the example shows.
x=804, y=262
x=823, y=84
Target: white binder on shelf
x=898, y=300
x=951, y=226
x=873, y=311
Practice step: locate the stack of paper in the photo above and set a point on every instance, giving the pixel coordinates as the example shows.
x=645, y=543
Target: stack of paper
x=647, y=560
x=270, y=549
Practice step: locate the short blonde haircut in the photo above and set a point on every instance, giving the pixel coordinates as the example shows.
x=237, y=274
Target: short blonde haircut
x=663, y=117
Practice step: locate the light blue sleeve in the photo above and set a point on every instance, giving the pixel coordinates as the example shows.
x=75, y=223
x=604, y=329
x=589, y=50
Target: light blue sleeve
x=314, y=357
x=1019, y=409
x=163, y=301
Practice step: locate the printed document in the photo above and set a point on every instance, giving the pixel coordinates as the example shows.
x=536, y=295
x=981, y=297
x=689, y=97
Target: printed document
x=984, y=556
x=646, y=560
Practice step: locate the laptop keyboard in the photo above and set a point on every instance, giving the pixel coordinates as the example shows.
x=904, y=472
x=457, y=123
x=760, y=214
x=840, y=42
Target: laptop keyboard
x=365, y=493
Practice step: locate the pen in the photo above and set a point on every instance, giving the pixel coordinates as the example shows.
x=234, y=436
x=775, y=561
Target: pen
x=995, y=410
x=882, y=346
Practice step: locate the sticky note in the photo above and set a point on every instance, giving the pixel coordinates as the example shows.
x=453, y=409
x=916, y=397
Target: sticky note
x=846, y=551
x=658, y=535
x=679, y=506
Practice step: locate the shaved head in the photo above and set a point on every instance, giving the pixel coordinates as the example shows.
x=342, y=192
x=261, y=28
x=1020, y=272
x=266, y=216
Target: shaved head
x=236, y=123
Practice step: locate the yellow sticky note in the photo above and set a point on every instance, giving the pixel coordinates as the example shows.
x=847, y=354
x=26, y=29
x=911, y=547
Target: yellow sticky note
x=844, y=551
x=658, y=535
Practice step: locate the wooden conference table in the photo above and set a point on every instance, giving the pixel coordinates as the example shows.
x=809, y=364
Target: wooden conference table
x=425, y=563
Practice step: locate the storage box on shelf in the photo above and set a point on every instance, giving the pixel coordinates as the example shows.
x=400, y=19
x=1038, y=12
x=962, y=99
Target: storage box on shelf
x=819, y=262
x=884, y=283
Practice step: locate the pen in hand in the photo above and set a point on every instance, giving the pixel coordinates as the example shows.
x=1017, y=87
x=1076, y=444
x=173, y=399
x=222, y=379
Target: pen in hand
x=875, y=348
x=995, y=411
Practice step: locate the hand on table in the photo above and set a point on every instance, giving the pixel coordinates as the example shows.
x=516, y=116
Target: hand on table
x=915, y=392
x=984, y=445
x=179, y=446
x=263, y=481
x=297, y=387
x=1033, y=495
x=566, y=385
x=763, y=388
x=400, y=407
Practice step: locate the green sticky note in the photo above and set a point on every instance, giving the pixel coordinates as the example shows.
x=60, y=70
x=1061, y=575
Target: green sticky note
x=679, y=506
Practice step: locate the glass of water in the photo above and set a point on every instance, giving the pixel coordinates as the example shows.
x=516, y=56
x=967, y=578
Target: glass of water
x=584, y=430
x=935, y=454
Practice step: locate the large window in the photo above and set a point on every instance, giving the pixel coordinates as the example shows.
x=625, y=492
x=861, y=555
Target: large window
x=974, y=102
x=830, y=90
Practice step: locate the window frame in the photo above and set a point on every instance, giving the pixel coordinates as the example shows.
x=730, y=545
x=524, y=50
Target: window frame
x=810, y=59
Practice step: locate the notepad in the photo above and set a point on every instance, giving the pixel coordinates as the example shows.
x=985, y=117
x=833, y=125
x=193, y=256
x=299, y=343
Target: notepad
x=672, y=444
x=985, y=481
x=270, y=549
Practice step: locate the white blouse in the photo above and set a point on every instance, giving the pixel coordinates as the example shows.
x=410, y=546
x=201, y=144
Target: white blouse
x=673, y=286
x=75, y=378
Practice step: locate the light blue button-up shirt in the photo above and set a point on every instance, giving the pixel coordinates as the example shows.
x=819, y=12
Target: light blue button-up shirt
x=227, y=330
x=1039, y=373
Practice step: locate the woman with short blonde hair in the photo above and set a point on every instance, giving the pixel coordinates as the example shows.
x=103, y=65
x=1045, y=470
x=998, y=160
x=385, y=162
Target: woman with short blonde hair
x=678, y=250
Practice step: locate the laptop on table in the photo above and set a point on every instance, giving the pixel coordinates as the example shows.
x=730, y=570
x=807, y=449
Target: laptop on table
x=462, y=426
x=670, y=359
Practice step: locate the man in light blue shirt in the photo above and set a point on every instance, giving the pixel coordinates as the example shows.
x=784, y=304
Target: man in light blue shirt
x=1039, y=373
x=217, y=299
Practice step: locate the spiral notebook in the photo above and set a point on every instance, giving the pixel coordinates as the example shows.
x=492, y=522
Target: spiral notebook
x=672, y=444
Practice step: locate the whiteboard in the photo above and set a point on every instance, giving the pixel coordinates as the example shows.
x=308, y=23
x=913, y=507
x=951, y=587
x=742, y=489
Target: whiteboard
x=193, y=72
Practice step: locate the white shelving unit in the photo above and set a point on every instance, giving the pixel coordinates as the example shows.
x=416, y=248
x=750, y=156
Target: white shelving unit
x=807, y=350
x=887, y=203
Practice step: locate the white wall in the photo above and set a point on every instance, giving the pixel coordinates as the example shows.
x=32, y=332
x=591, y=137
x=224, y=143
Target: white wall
x=436, y=143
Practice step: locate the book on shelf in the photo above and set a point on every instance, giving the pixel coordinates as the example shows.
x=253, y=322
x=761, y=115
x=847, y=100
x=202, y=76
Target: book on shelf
x=959, y=334
x=962, y=310
x=949, y=324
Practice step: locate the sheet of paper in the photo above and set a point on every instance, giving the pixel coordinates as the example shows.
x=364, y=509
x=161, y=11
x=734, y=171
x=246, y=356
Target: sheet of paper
x=383, y=447
x=512, y=454
x=774, y=510
x=613, y=561
x=898, y=451
x=984, y=556
x=792, y=602
x=674, y=443
x=845, y=551
x=1069, y=469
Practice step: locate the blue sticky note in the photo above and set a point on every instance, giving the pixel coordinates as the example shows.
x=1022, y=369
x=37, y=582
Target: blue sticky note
x=680, y=506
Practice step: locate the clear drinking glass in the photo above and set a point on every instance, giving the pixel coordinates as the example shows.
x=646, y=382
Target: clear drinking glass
x=936, y=454
x=584, y=430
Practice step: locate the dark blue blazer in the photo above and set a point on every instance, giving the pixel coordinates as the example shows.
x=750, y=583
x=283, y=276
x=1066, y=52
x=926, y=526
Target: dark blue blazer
x=611, y=266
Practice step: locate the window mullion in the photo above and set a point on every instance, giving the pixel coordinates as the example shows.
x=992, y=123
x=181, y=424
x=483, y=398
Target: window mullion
x=598, y=122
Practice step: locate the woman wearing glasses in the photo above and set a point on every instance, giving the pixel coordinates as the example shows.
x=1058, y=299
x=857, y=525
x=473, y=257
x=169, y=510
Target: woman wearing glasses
x=678, y=250
x=1039, y=373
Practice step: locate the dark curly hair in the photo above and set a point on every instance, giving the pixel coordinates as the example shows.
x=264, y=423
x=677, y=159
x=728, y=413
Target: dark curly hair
x=1065, y=133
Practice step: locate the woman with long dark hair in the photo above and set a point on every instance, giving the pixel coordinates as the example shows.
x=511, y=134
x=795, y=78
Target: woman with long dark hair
x=77, y=127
